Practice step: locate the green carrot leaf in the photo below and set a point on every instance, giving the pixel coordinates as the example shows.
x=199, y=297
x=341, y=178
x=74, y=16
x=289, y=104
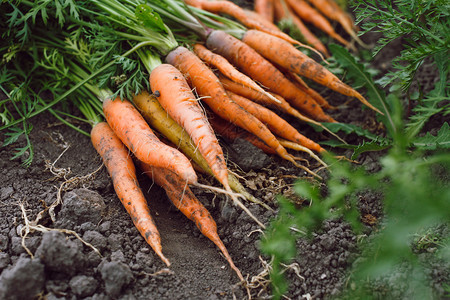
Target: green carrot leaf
x=431, y=142
x=150, y=18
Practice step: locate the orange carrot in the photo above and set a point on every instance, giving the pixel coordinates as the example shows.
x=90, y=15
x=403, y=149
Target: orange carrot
x=134, y=132
x=283, y=11
x=182, y=198
x=333, y=11
x=208, y=86
x=120, y=166
x=282, y=106
x=310, y=15
x=257, y=97
x=288, y=57
x=275, y=123
x=261, y=70
x=231, y=9
x=264, y=8
x=254, y=15
x=232, y=132
x=298, y=81
x=176, y=97
x=228, y=69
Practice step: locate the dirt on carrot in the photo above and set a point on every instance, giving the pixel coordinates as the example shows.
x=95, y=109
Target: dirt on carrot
x=129, y=125
x=250, y=62
x=288, y=57
x=176, y=97
x=120, y=167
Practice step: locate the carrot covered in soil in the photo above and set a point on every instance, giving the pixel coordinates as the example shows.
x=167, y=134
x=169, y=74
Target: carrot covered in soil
x=176, y=97
x=214, y=95
x=120, y=167
x=264, y=8
x=250, y=62
x=228, y=69
x=183, y=199
x=284, y=12
x=134, y=132
x=310, y=15
x=289, y=58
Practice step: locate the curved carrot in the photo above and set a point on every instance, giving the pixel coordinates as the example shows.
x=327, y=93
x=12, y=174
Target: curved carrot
x=310, y=15
x=228, y=69
x=214, y=95
x=288, y=57
x=182, y=198
x=264, y=8
x=275, y=123
x=261, y=70
x=135, y=133
x=120, y=167
x=177, y=98
x=283, y=11
x=231, y=9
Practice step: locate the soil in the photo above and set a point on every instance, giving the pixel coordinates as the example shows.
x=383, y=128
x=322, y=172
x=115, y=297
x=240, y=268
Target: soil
x=62, y=267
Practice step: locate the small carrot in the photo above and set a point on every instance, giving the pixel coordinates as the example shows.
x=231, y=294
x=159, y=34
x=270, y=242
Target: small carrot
x=310, y=15
x=298, y=147
x=334, y=12
x=284, y=12
x=231, y=9
x=120, y=166
x=135, y=133
x=228, y=69
x=275, y=123
x=264, y=8
x=288, y=57
x=214, y=95
x=183, y=199
x=176, y=97
x=250, y=62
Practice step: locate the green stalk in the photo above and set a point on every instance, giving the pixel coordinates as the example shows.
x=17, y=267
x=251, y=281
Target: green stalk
x=163, y=42
x=148, y=59
x=74, y=88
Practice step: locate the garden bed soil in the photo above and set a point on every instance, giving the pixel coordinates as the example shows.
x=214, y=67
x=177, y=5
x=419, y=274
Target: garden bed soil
x=63, y=267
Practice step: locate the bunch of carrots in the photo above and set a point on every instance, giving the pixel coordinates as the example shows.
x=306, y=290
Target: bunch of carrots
x=243, y=73
x=317, y=13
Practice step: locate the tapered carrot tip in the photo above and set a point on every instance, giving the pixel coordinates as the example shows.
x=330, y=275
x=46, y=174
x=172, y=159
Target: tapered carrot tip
x=222, y=248
x=347, y=90
x=163, y=258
